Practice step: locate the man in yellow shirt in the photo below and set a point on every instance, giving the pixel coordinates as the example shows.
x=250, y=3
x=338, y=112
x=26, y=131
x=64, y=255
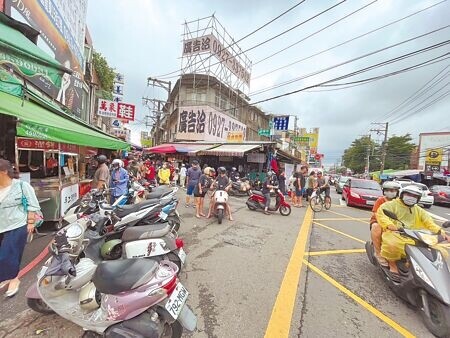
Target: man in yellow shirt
x=412, y=216
x=164, y=174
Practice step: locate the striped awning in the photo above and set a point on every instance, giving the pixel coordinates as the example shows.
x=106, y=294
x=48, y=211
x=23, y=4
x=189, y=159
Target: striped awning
x=229, y=150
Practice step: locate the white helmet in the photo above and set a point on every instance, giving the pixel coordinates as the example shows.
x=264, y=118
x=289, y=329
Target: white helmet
x=411, y=190
x=118, y=161
x=391, y=185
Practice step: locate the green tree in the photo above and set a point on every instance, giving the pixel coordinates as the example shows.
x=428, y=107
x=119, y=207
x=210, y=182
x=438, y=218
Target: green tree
x=106, y=75
x=398, y=152
x=355, y=157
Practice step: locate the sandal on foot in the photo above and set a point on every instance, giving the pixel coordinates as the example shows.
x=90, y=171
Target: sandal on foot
x=382, y=261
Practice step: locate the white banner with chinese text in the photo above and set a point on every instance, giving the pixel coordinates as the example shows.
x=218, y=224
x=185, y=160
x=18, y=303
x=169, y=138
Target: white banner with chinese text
x=203, y=123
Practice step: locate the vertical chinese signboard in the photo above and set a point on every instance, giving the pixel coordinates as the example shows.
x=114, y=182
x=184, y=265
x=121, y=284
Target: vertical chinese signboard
x=62, y=27
x=203, y=123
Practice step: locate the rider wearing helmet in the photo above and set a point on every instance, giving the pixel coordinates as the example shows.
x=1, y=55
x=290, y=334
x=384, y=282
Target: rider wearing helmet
x=222, y=182
x=101, y=176
x=270, y=183
x=390, y=191
x=119, y=180
x=412, y=216
x=234, y=174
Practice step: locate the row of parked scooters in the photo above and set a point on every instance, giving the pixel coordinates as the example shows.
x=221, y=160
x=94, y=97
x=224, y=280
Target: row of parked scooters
x=114, y=269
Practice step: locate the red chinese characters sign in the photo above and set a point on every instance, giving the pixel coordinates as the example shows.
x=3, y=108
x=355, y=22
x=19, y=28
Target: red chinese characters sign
x=125, y=111
x=29, y=143
x=107, y=108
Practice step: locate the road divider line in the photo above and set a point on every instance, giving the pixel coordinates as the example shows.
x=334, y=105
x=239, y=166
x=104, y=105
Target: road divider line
x=334, y=252
x=437, y=217
x=339, y=232
x=340, y=219
x=349, y=217
x=397, y=327
x=280, y=320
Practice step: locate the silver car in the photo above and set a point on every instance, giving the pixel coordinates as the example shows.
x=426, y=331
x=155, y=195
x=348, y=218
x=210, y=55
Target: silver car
x=340, y=184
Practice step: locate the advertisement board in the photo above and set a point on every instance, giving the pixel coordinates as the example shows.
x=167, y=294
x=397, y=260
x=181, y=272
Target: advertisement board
x=210, y=44
x=313, y=141
x=436, y=145
x=69, y=195
x=61, y=24
x=203, y=123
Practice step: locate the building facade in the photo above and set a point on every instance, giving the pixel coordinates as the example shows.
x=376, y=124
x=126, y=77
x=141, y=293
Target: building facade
x=202, y=108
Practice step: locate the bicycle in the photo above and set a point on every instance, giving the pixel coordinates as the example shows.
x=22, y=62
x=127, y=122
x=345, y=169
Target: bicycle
x=317, y=202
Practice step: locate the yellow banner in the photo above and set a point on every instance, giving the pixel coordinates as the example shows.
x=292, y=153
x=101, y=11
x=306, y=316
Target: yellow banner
x=434, y=156
x=235, y=136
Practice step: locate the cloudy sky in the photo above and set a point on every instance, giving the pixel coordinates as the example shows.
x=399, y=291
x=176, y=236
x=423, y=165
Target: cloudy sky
x=141, y=38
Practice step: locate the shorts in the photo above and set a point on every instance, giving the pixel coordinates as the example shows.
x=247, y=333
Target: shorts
x=197, y=194
x=190, y=189
x=299, y=192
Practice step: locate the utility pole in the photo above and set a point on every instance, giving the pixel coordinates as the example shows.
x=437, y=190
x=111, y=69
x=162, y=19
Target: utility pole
x=369, y=146
x=156, y=107
x=382, y=129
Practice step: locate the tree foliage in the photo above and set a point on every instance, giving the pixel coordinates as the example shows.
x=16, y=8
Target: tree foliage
x=398, y=152
x=106, y=74
x=355, y=157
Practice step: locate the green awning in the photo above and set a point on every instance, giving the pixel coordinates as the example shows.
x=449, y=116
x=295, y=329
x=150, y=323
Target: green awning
x=37, y=122
x=27, y=58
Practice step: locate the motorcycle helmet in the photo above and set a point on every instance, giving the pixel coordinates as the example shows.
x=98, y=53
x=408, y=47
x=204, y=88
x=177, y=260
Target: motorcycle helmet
x=89, y=298
x=270, y=173
x=411, y=195
x=233, y=169
x=391, y=185
x=222, y=170
x=102, y=159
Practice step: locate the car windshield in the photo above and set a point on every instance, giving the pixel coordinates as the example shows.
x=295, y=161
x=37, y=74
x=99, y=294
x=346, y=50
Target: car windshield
x=371, y=185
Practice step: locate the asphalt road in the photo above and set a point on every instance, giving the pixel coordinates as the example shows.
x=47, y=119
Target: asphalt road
x=269, y=276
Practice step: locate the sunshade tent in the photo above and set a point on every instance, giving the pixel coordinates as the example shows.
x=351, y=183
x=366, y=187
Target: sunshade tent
x=229, y=150
x=172, y=148
x=37, y=122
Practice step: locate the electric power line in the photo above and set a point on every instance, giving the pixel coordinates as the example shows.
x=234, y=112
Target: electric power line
x=347, y=41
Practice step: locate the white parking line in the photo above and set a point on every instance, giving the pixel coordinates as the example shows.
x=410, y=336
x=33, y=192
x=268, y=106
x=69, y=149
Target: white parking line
x=437, y=217
x=341, y=202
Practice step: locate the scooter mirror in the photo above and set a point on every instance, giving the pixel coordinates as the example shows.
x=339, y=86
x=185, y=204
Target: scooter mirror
x=390, y=214
x=446, y=224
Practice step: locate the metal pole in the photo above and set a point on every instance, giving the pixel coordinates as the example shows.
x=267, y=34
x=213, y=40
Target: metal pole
x=369, y=146
x=383, y=152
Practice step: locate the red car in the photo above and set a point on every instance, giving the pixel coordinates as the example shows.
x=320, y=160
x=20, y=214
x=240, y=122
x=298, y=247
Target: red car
x=361, y=193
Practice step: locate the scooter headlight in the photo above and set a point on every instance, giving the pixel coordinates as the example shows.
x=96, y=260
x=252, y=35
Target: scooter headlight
x=74, y=231
x=421, y=273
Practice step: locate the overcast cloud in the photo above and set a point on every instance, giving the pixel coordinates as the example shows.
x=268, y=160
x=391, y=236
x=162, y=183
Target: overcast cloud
x=141, y=38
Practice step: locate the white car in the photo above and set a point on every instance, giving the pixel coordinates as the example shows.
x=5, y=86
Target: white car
x=427, y=199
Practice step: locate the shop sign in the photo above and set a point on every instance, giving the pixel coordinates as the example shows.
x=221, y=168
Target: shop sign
x=116, y=123
x=70, y=148
x=432, y=167
x=203, y=123
x=301, y=139
x=256, y=158
x=125, y=111
x=264, y=132
x=210, y=44
x=434, y=157
x=27, y=143
x=69, y=195
x=107, y=108
x=235, y=136
x=281, y=122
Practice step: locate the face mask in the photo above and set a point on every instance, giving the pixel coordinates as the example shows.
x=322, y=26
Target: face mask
x=409, y=200
x=390, y=194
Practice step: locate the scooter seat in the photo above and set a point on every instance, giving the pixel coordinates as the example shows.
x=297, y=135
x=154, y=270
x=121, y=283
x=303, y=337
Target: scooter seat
x=257, y=192
x=112, y=277
x=159, y=192
x=135, y=233
x=128, y=209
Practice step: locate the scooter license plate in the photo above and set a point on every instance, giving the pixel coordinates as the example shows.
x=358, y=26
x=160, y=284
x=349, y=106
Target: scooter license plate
x=163, y=215
x=176, y=300
x=182, y=255
x=370, y=202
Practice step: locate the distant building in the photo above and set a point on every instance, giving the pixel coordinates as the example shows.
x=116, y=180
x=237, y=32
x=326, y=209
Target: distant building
x=202, y=108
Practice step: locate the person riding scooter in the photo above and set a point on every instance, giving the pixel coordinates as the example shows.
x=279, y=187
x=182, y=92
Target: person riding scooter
x=234, y=175
x=390, y=191
x=271, y=182
x=412, y=216
x=222, y=182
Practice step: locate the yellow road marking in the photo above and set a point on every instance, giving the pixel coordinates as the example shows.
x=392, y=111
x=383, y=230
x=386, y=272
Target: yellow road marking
x=340, y=232
x=346, y=216
x=341, y=219
x=280, y=319
x=400, y=329
x=334, y=252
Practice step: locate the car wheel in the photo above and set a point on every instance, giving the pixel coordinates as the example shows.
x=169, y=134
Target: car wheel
x=427, y=206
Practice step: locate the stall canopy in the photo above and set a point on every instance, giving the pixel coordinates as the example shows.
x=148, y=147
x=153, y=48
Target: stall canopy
x=172, y=148
x=229, y=150
x=37, y=122
x=27, y=58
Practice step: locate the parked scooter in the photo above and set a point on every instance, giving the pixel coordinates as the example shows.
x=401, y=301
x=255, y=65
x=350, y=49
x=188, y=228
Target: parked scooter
x=257, y=201
x=240, y=188
x=123, y=298
x=424, y=277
